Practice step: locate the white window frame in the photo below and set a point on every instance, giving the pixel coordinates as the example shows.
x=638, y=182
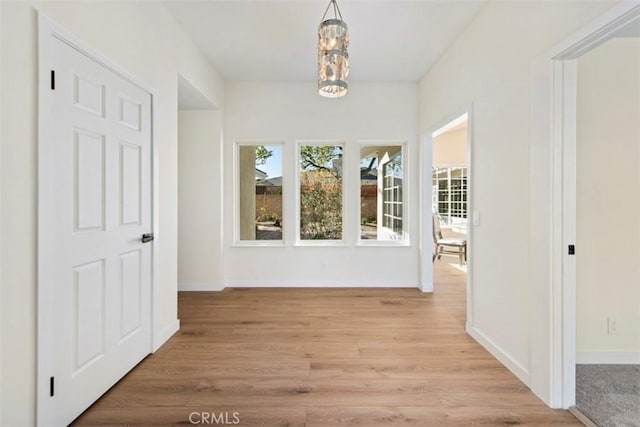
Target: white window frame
x=404, y=149
x=463, y=192
x=236, y=193
x=335, y=143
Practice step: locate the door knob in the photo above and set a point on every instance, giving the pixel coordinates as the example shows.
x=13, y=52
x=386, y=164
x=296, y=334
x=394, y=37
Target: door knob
x=146, y=238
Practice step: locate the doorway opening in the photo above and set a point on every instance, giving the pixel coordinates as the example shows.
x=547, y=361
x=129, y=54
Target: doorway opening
x=608, y=321
x=557, y=149
x=446, y=206
x=199, y=191
x=449, y=179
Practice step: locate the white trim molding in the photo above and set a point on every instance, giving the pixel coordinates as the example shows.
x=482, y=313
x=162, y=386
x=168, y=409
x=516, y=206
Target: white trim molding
x=200, y=287
x=1, y=139
x=507, y=360
x=426, y=223
x=404, y=151
x=167, y=333
x=236, y=191
x=608, y=357
x=345, y=181
x=216, y=287
x=553, y=209
x=426, y=286
x=313, y=284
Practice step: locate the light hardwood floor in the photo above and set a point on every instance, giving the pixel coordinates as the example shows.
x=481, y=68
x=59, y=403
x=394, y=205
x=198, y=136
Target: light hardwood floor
x=325, y=357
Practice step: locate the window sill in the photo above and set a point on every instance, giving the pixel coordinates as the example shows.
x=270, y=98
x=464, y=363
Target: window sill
x=383, y=243
x=320, y=243
x=258, y=244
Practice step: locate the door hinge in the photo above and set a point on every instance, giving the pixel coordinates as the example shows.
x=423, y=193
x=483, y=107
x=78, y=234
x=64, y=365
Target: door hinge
x=53, y=79
x=572, y=249
x=51, y=386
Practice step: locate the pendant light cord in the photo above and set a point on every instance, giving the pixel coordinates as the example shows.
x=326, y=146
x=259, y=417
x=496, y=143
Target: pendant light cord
x=336, y=10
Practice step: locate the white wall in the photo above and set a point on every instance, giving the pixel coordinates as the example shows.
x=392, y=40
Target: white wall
x=450, y=148
x=294, y=111
x=1, y=139
x=490, y=66
x=608, y=203
x=142, y=39
x=199, y=200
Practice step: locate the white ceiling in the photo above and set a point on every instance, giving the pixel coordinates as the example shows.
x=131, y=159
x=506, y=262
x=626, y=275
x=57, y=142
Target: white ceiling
x=455, y=125
x=276, y=40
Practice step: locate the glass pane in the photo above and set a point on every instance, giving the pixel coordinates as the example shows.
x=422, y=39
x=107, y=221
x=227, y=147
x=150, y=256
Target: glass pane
x=381, y=202
x=260, y=176
x=450, y=196
x=321, y=192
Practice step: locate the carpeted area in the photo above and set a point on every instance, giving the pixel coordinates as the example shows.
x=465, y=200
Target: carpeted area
x=609, y=394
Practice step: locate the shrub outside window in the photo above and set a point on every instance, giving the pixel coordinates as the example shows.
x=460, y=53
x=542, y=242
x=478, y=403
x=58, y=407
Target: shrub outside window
x=320, y=209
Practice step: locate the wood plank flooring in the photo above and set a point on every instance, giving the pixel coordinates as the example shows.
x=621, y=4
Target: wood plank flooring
x=324, y=357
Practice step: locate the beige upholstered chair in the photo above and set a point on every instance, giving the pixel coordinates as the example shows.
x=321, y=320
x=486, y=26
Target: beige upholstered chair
x=447, y=246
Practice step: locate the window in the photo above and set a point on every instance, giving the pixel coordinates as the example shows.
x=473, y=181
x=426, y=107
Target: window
x=450, y=196
x=259, y=192
x=392, y=195
x=320, y=209
x=381, y=193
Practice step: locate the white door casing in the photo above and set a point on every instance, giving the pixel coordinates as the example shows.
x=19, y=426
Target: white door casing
x=426, y=241
x=94, y=271
x=553, y=164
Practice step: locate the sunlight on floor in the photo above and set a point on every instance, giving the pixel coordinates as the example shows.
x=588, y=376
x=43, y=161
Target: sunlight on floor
x=459, y=267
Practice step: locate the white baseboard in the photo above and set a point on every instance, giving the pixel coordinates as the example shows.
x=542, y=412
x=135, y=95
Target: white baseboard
x=214, y=287
x=200, y=286
x=426, y=287
x=298, y=284
x=503, y=357
x=168, y=332
x=608, y=357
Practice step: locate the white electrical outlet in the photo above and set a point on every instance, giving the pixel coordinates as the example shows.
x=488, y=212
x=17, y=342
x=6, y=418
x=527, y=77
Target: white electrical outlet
x=612, y=327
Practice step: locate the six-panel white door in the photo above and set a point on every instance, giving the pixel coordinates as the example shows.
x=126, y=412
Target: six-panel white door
x=101, y=271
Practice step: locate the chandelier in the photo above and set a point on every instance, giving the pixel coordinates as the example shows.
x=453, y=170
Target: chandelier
x=333, y=58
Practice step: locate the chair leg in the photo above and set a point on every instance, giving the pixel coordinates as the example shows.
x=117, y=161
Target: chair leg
x=461, y=255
